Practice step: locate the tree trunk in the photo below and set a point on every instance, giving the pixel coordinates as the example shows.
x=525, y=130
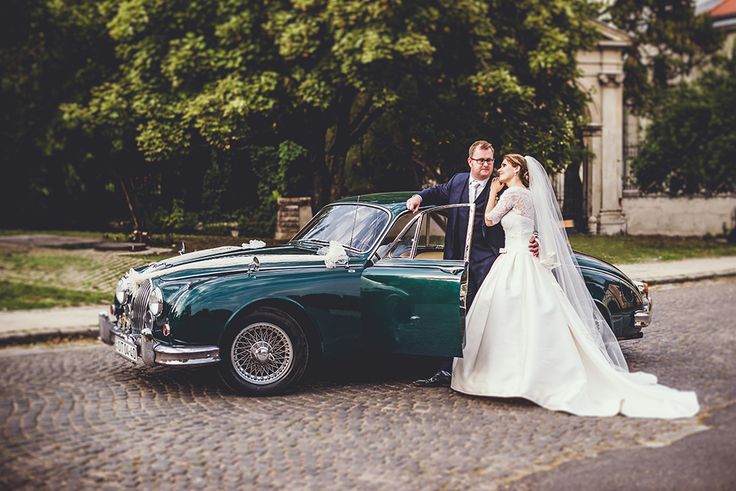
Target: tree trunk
x=430, y=171
x=338, y=147
x=320, y=181
x=131, y=201
x=336, y=162
x=354, y=119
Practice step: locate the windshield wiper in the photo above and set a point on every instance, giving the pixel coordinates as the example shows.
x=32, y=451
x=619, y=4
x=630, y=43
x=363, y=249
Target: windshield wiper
x=309, y=242
x=322, y=243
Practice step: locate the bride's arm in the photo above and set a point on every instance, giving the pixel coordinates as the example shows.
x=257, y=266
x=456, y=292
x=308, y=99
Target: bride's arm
x=495, y=211
x=496, y=187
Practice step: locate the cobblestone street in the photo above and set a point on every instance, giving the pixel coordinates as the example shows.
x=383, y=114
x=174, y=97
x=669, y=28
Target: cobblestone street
x=78, y=416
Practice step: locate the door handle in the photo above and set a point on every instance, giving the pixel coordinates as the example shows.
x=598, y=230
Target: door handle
x=455, y=270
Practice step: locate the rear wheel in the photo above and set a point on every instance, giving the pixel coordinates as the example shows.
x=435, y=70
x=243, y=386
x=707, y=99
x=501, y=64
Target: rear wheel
x=266, y=353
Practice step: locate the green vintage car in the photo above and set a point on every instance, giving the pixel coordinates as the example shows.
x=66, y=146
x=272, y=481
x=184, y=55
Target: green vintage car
x=363, y=276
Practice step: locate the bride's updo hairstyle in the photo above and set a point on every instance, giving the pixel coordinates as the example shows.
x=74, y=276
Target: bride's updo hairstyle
x=519, y=161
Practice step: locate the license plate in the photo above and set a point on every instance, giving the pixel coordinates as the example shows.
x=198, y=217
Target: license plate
x=126, y=350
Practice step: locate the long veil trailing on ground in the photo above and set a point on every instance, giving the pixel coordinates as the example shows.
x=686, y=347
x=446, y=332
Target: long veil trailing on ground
x=556, y=252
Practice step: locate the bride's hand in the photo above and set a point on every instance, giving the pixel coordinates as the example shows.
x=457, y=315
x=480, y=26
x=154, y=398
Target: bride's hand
x=496, y=185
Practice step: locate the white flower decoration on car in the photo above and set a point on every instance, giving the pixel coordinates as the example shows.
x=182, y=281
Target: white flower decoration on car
x=253, y=244
x=334, y=254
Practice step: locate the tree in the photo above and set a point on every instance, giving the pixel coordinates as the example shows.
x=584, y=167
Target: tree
x=321, y=74
x=49, y=53
x=669, y=42
x=690, y=147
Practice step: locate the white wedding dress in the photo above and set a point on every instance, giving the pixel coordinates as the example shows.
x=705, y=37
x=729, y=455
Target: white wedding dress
x=524, y=339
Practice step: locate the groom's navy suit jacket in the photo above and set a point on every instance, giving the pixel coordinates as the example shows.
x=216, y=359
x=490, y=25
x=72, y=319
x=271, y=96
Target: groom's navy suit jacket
x=486, y=241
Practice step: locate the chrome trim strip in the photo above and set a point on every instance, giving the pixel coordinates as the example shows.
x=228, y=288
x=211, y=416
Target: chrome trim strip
x=419, y=264
x=262, y=270
x=466, y=269
x=185, y=355
x=417, y=232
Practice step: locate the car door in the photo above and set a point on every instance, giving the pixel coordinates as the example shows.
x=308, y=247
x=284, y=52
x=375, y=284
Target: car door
x=413, y=300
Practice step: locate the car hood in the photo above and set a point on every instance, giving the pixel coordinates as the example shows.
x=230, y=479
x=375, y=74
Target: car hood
x=233, y=259
x=270, y=254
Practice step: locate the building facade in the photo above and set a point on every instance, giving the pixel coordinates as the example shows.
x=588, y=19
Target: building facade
x=612, y=204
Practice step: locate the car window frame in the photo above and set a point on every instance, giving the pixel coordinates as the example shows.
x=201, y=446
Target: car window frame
x=421, y=215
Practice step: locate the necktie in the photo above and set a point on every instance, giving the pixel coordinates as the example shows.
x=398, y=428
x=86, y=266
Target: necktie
x=474, y=190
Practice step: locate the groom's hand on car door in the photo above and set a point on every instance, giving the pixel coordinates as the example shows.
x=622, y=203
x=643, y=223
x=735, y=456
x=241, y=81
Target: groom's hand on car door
x=412, y=204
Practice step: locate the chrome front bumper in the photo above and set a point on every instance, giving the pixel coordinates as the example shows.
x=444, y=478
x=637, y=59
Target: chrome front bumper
x=643, y=317
x=153, y=352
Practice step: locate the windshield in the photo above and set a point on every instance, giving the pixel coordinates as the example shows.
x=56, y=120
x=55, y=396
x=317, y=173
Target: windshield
x=355, y=226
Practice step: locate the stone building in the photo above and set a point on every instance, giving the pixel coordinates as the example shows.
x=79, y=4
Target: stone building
x=611, y=202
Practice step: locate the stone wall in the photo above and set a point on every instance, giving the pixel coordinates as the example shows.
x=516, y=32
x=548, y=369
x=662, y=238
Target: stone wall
x=292, y=215
x=662, y=215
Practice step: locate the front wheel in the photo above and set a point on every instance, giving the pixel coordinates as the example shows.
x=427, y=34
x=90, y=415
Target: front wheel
x=264, y=354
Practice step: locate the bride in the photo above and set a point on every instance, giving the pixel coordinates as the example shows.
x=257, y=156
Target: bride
x=534, y=331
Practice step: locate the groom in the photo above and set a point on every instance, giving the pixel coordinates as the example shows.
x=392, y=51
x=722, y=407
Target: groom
x=466, y=187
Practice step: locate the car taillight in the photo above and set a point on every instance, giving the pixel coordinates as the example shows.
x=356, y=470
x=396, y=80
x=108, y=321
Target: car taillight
x=166, y=329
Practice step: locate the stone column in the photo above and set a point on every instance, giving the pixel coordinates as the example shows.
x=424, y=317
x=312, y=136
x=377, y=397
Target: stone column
x=610, y=217
x=592, y=175
x=292, y=215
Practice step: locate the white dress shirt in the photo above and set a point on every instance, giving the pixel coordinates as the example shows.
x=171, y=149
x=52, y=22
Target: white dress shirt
x=478, y=189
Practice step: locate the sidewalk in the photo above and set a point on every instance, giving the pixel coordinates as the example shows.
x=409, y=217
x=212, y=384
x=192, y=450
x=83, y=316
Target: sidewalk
x=24, y=326
x=658, y=273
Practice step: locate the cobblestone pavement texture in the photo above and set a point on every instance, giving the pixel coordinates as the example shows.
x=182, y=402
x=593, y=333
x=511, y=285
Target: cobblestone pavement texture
x=80, y=417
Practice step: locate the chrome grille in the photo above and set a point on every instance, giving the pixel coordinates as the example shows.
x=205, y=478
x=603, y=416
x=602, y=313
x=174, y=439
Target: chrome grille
x=140, y=306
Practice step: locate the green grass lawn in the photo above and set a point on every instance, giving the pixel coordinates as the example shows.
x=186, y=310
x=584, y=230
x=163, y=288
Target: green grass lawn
x=21, y=296
x=43, y=277
x=621, y=249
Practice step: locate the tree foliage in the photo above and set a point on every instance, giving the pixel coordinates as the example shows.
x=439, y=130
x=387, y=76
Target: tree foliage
x=669, y=43
x=208, y=104
x=50, y=52
x=691, y=145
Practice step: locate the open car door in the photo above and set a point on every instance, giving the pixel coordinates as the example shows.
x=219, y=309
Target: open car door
x=413, y=300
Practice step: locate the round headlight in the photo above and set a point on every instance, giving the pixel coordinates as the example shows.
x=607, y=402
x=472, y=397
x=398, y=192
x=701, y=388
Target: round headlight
x=156, y=302
x=120, y=292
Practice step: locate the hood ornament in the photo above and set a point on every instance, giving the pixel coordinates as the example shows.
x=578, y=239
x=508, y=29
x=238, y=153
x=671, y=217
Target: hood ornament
x=254, y=266
x=183, y=249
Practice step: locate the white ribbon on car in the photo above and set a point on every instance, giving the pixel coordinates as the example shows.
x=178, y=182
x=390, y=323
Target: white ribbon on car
x=253, y=244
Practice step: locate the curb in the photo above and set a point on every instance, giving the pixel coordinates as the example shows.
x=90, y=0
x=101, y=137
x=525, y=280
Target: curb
x=691, y=277
x=48, y=335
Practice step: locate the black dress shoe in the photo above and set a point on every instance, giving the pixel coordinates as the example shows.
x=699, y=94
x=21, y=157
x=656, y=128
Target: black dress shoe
x=439, y=379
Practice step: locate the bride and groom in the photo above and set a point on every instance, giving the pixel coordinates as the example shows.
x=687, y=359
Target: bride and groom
x=532, y=328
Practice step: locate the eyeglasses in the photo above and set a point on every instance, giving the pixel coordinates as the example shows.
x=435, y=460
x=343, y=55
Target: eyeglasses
x=483, y=161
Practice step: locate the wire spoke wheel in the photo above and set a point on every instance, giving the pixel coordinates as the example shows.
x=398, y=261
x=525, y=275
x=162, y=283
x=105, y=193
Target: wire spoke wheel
x=265, y=352
x=262, y=353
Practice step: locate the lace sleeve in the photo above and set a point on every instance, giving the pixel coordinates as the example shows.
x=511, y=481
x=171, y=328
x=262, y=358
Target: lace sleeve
x=517, y=199
x=504, y=205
